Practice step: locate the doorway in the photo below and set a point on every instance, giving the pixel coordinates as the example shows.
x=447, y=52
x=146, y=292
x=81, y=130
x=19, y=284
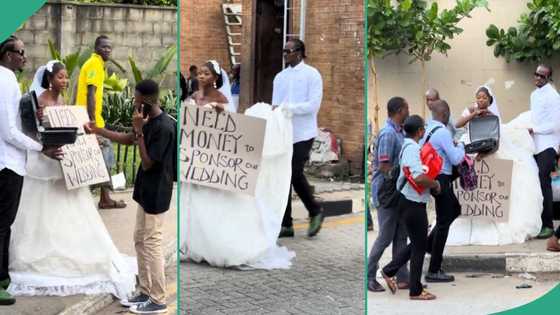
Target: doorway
x=268, y=47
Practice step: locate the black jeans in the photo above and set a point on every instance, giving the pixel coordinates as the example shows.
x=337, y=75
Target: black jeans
x=10, y=193
x=546, y=161
x=300, y=184
x=448, y=209
x=413, y=215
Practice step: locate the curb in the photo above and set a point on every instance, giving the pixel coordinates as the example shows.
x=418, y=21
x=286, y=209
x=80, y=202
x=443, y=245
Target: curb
x=501, y=263
x=92, y=304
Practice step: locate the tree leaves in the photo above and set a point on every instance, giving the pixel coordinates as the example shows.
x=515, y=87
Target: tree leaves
x=415, y=26
x=536, y=37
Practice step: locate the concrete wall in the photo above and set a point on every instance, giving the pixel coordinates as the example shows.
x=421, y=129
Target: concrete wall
x=469, y=64
x=142, y=32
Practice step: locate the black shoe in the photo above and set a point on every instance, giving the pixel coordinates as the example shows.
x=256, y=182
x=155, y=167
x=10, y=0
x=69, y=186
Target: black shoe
x=370, y=227
x=375, y=286
x=439, y=276
x=148, y=308
x=138, y=299
x=286, y=231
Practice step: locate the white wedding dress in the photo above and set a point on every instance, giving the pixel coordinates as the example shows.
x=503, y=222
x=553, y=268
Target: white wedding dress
x=227, y=229
x=59, y=244
x=526, y=198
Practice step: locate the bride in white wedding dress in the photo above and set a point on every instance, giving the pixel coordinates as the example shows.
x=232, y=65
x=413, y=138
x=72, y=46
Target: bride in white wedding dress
x=525, y=199
x=227, y=229
x=59, y=244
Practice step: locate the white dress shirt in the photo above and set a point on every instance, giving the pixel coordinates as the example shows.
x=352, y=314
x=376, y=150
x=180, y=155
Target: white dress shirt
x=545, y=112
x=13, y=143
x=300, y=89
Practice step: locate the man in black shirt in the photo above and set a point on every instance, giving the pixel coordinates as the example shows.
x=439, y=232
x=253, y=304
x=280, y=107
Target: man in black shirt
x=155, y=135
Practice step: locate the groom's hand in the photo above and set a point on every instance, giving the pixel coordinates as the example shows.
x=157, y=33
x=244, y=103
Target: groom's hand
x=91, y=128
x=53, y=152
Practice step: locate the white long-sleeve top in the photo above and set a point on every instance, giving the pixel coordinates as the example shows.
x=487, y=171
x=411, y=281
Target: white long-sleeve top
x=545, y=112
x=13, y=142
x=300, y=89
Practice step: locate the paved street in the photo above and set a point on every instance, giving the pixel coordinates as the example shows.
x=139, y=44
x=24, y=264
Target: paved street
x=467, y=296
x=171, y=274
x=326, y=278
x=485, y=293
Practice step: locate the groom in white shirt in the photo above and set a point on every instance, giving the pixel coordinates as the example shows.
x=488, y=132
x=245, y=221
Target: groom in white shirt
x=545, y=112
x=299, y=88
x=13, y=152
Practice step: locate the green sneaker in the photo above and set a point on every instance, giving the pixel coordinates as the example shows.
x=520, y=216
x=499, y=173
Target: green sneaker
x=546, y=232
x=5, y=283
x=6, y=298
x=315, y=225
x=286, y=232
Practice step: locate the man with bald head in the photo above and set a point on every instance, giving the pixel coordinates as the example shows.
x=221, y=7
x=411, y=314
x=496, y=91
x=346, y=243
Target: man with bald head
x=447, y=205
x=432, y=95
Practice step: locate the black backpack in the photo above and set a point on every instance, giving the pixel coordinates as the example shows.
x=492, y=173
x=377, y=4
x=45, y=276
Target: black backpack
x=388, y=195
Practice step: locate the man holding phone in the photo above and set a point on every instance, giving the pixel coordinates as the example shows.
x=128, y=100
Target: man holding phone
x=154, y=131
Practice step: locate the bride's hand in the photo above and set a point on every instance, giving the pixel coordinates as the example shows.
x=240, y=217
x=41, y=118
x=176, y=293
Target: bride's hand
x=53, y=152
x=219, y=107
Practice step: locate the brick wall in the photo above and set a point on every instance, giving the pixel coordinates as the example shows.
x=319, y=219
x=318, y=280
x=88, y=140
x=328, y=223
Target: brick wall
x=142, y=32
x=203, y=33
x=334, y=43
x=334, y=40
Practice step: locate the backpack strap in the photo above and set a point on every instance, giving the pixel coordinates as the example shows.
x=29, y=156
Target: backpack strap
x=400, y=157
x=431, y=133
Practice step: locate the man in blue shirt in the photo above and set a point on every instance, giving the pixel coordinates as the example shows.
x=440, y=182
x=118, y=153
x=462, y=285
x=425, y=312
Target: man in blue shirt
x=386, y=156
x=447, y=205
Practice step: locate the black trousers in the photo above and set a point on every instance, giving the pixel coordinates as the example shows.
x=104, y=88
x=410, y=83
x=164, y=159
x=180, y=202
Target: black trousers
x=300, y=184
x=546, y=161
x=413, y=215
x=10, y=193
x=448, y=209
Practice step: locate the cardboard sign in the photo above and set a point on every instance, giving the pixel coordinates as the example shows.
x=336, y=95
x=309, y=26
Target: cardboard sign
x=222, y=151
x=491, y=199
x=83, y=163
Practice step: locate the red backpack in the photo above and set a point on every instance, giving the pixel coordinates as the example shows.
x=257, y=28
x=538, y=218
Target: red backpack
x=431, y=162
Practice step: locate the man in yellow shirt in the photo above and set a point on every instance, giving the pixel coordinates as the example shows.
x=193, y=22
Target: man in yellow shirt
x=90, y=95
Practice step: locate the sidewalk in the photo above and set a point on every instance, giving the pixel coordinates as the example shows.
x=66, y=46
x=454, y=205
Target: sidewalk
x=327, y=277
x=120, y=224
x=530, y=256
x=326, y=190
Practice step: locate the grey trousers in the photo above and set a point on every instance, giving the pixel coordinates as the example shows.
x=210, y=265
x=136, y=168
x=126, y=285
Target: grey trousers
x=390, y=230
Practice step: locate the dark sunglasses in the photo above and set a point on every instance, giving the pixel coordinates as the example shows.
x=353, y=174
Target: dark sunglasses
x=289, y=51
x=19, y=52
x=542, y=76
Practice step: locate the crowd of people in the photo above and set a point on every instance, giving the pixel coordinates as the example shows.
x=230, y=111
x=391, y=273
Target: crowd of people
x=531, y=140
x=53, y=240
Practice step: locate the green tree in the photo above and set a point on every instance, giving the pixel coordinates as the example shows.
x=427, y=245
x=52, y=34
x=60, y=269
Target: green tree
x=536, y=37
x=388, y=29
x=431, y=30
x=414, y=27
x=157, y=70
